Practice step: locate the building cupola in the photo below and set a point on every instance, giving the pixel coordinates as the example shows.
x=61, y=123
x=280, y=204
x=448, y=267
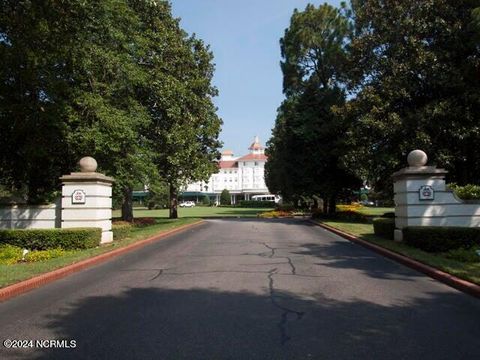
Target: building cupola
x=256, y=147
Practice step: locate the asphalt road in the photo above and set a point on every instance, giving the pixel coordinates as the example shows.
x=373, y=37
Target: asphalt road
x=247, y=289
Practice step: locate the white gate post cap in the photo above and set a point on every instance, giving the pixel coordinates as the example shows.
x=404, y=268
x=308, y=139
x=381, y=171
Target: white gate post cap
x=88, y=164
x=417, y=158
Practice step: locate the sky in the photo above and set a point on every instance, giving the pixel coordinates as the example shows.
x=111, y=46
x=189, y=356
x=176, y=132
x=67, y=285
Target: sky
x=244, y=38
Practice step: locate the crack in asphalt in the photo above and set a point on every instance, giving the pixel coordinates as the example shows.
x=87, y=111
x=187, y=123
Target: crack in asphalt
x=272, y=254
x=160, y=272
x=272, y=250
x=282, y=325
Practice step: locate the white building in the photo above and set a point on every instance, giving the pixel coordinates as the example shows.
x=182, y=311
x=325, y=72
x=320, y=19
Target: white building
x=242, y=176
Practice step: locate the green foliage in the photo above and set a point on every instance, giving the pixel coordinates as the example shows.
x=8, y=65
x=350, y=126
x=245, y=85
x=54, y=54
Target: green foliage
x=256, y=204
x=441, y=239
x=467, y=192
x=206, y=200
x=384, y=227
x=10, y=254
x=464, y=255
x=157, y=196
x=121, y=229
x=414, y=79
x=117, y=80
x=225, y=197
x=305, y=148
x=42, y=255
x=43, y=239
x=349, y=215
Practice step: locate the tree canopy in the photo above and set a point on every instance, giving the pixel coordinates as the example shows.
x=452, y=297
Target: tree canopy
x=116, y=80
x=414, y=70
x=367, y=84
x=307, y=143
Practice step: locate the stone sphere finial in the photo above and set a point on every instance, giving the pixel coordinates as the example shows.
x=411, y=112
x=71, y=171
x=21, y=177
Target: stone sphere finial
x=87, y=164
x=417, y=158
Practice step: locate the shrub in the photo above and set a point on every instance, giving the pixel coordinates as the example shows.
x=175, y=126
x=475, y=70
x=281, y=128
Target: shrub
x=42, y=239
x=285, y=207
x=390, y=215
x=206, y=200
x=274, y=214
x=256, y=204
x=441, y=239
x=467, y=192
x=225, y=197
x=121, y=229
x=10, y=254
x=351, y=215
x=384, y=227
x=42, y=255
x=144, y=221
x=351, y=207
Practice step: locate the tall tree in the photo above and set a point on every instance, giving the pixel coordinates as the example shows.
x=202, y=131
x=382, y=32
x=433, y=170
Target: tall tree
x=68, y=90
x=307, y=140
x=117, y=80
x=415, y=71
x=185, y=126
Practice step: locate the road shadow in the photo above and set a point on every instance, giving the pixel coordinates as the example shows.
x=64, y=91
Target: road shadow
x=156, y=323
x=342, y=254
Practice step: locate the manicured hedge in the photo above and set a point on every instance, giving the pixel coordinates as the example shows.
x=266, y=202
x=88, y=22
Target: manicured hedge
x=43, y=239
x=256, y=204
x=121, y=230
x=440, y=239
x=384, y=227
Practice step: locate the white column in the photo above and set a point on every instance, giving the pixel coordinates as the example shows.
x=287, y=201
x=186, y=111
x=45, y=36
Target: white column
x=87, y=199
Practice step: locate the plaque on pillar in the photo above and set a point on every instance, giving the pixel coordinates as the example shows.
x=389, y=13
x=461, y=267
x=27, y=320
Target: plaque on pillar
x=426, y=192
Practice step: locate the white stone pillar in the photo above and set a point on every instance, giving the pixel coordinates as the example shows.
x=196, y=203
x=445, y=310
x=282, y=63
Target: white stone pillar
x=417, y=187
x=87, y=199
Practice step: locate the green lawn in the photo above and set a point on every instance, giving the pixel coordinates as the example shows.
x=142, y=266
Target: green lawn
x=465, y=270
x=375, y=211
x=10, y=274
x=197, y=212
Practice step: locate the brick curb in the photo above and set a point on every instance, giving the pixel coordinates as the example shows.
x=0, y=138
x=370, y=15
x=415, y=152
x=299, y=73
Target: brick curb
x=448, y=279
x=43, y=279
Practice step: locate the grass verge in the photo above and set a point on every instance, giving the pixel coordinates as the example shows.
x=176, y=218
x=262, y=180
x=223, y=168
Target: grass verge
x=10, y=274
x=465, y=270
x=197, y=212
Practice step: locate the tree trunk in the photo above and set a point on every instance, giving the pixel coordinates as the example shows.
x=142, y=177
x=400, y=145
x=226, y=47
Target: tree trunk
x=127, y=205
x=325, y=205
x=332, y=205
x=315, y=203
x=173, y=213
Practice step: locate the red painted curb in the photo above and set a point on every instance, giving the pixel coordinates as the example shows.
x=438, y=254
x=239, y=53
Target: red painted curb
x=37, y=281
x=448, y=279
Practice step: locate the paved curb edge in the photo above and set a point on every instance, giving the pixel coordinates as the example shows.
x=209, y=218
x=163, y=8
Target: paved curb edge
x=43, y=279
x=448, y=279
